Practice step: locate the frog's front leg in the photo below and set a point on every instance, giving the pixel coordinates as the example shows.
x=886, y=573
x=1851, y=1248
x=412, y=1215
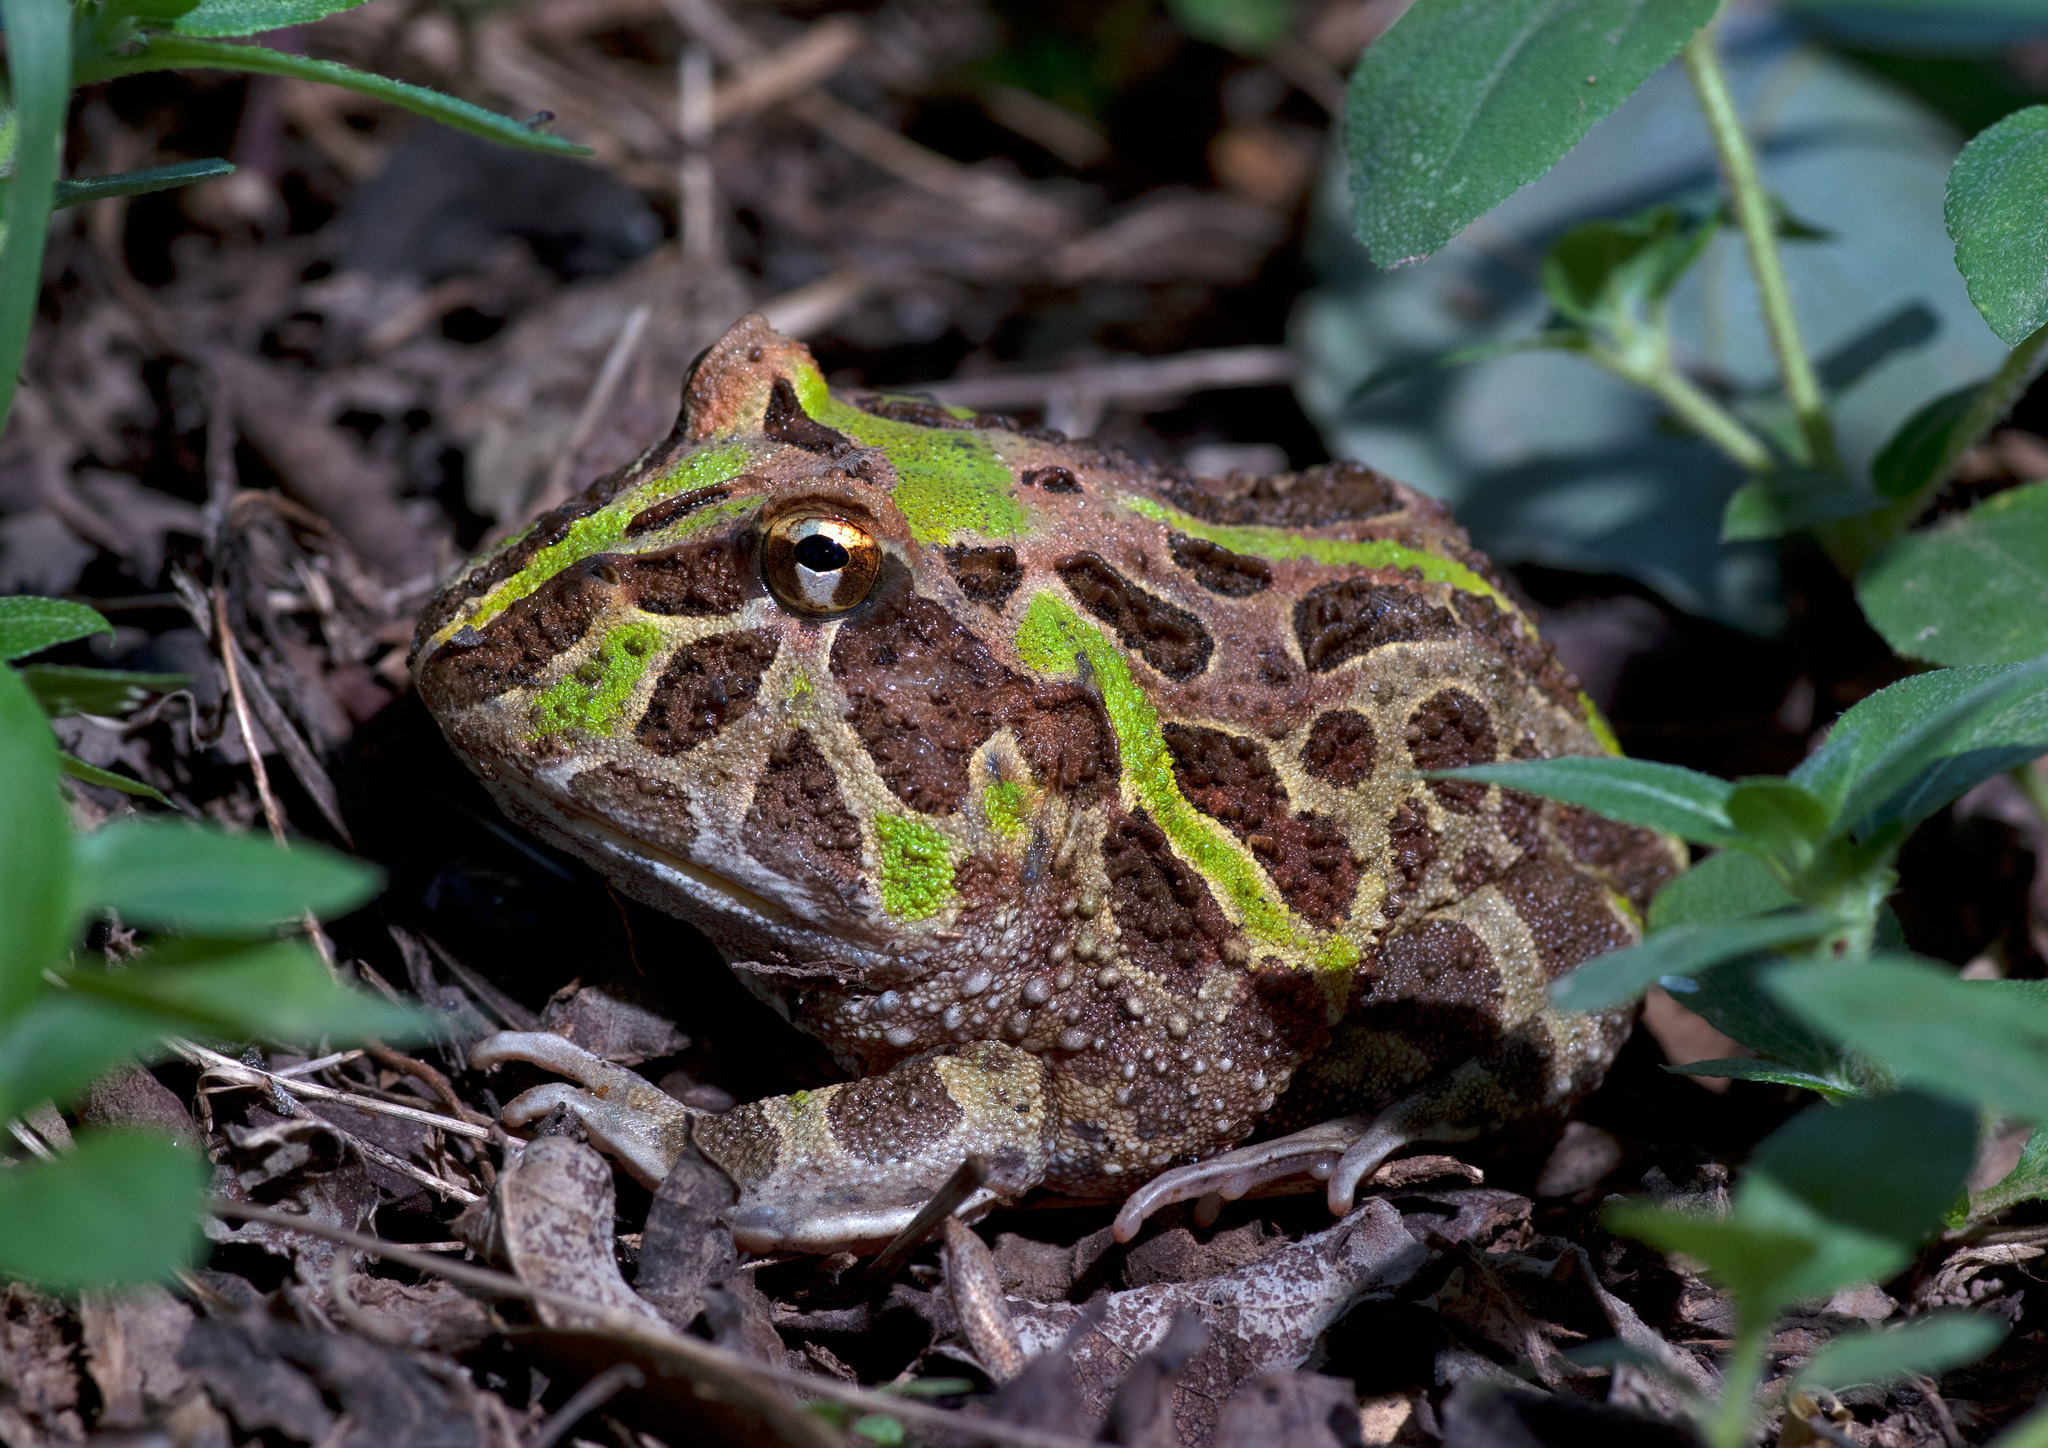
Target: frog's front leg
x=844, y=1167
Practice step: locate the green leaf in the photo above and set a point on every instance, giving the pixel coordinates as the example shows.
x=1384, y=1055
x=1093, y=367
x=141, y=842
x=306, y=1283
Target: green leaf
x=1250, y=26
x=38, y=76
x=1726, y=885
x=65, y=1040
x=29, y=625
x=277, y=992
x=1771, y=1073
x=1771, y=505
x=1606, y=272
x=35, y=849
x=1779, y=818
x=1996, y=219
x=72, y=689
x=166, y=874
x=1932, y=1345
x=1923, y=446
x=249, y=17
x=1909, y=749
x=2030, y=1432
x=78, y=769
x=1664, y=797
x=1732, y=999
x=1463, y=102
x=1981, y=1041
x=78, y=190
x=179, y=52
x=2026, y=1182
x=1683, y=951
x=1973, y=589
x=1750, y=1260
x=1889, y=1166
x=121, y=1207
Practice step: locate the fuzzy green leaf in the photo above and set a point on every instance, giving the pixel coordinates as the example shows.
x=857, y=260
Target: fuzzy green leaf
x=1924, y=444
x=1999, y=226
x=1665, y=797
x=1973, y=589
x=251, y=17
x=78, y=769
x=121, y=1207
x=171, y=875
x=1771, y=505
x=1727, y=885
x=1932, y=1345
x=72, y=689
x=78, y=190
x=64, y=1040
x=1753, y=1068
x=1605, y=272
x=1732, y=999
x=39, y=34
x=1620, y=977
x=1463, y=102
x=35, y=849
x=28, y=624
x=1748, y=1259
x=274, y=992
x=1778, y=818
x=2026, y=1182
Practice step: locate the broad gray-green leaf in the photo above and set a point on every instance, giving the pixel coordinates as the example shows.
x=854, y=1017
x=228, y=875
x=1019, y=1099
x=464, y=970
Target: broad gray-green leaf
x=1924, y=444
x=2000, y=226
x=1727, y=885
x=1665, y=797
x=1685, y=950
x=1731, y=998
x=78, y=190
x=1981, y=1041
x=73, y=689
x=1463, y=102
x=121, y=1207
x=35, y=849
x=1973, y=589
x=1774, y=504
x=64, y=1040
x=1909, y=749
x=251, y=17
x=1931, y=1345
x=164, y=873
x=275, y=992
x=28, y=625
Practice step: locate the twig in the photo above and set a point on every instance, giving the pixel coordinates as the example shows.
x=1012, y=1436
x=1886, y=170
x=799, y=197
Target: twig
x=803, y=310
x=1146, y=377
x=427, y=1076
x=394, y=1162
x=697, y=185
x=969, y=1178
x=794, y=68
x=696, y=1357
x=238, y=1074
x=587, y=1400
x=224, y=641
x=508, y=1011
x=594, y=405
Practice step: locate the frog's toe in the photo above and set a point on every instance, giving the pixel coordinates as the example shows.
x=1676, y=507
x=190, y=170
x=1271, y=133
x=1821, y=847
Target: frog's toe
x=627, y=1117
x=1314, y=1152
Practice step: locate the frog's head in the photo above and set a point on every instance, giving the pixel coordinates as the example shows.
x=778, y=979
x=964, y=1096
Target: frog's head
x=768, y=676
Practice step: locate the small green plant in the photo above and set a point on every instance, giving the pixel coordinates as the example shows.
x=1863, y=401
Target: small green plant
x=54, y=46
x=209, y=961
x=29, y=625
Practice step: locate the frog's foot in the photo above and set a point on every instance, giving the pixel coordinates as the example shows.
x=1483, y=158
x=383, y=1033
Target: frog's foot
x=1341, y=1153
x=629, y=1118
x=847, y=1167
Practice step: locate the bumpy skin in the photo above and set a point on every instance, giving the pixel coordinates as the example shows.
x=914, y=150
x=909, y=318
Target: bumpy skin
x=1092, y=839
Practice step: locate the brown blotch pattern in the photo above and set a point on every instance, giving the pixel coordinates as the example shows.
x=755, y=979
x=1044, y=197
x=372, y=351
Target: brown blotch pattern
x=706, y=686
x=1412, y=844
x=786, y=421
x=1568, y=914
x=1163, y=909
x=1171, y=639
x=651, y=809
x=799, y=810
x=1340, y=621
x=519, y=644
x=1053, y=480
x=693, y=579
x=986, y=575
x=1231, y=778
x=1449, y=730
x=668, y=510
x=1340, y=748
x=922, y=691
x=1218, y=569
x=1066, y=739
x=1341, y=492
x=1638, y=861
x=914, y=410
x=745, y=1142
x=888, y=1118
x=1439, y=987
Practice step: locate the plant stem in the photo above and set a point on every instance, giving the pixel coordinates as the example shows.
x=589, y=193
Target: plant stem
x=1694, y=407
x=1994, y=399
x=39, y=74
x=1759, y=227
x=1731, y=1425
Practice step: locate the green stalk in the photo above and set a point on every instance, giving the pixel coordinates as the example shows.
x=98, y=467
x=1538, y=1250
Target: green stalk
x=1759, y=227
x=1693, y=407
x=39, y=72
x=1732, y=1424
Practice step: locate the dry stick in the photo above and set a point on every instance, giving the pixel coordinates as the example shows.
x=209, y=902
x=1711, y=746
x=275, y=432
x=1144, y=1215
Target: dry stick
x=689, y=1351
x=1221, y=367
x=392, y=1162
x=587, y=1400
x=696, y=185
x=600, y=397
x=239, y=1074
x=970, y=1177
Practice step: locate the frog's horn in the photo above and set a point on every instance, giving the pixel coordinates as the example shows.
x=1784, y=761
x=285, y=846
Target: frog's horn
x=729, y=386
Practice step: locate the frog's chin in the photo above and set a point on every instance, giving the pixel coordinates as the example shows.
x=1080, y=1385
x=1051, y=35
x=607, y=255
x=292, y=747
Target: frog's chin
x=745, y=922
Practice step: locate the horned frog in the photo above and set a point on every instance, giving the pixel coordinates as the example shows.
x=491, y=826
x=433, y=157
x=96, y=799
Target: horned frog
x=1075, y=805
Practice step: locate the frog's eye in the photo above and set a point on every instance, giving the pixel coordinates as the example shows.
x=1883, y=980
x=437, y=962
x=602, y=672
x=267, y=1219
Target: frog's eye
x=819, y=564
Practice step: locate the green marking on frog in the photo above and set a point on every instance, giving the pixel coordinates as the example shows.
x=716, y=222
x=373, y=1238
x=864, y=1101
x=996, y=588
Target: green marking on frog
x=1278, y=545
x=1597, y=722
x=592, y=696
x=1338, y=953
x=1053, y=639
x=1006, y=805
x=949, y=481
x=917, y=867
x=605, y=529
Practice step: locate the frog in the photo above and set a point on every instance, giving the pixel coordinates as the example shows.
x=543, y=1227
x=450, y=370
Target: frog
x=1090, y=813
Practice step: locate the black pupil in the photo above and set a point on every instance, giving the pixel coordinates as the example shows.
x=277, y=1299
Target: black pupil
x=820, y=554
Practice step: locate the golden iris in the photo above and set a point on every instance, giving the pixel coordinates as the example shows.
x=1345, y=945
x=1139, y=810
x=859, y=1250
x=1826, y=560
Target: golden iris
x=819, y=564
